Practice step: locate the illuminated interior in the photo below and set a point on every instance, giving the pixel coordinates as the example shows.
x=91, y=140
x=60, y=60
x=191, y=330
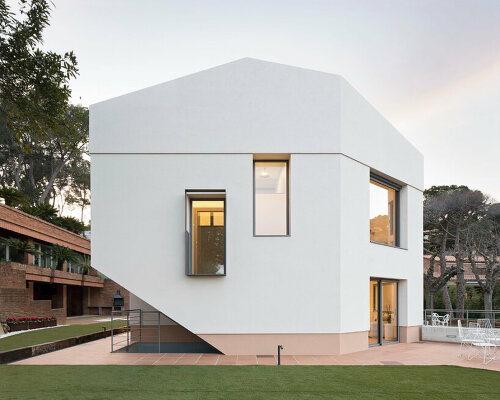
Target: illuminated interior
x=374, y=329
x=382, y=214
x=208, y=237
x=271, y=198
x=384, y=322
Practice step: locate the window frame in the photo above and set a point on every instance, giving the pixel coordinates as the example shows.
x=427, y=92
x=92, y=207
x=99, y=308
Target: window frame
x=202, y=195
x=380, y=310
x=287, y=162
x=397, y=188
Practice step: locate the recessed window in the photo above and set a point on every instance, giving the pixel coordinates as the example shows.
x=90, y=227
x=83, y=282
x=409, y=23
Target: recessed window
x=206, y=233
x=271, y=198
x=384, y=211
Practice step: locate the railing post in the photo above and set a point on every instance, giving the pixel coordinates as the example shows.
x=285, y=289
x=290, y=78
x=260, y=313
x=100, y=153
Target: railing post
x=467, y=322
x=128, y=330
x=140, y=325
x=112, y=338
x=159, y=325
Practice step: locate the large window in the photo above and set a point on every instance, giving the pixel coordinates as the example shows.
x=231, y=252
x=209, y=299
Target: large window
x=384, y=211
x=206, y=233
x=271, y=198
x=43, y=257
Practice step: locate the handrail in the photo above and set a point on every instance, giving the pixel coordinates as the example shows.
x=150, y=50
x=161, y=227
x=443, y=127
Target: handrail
x=465, y=315
x=135, y=323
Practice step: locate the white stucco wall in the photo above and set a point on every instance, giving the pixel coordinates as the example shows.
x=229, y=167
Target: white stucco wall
x=200, y=132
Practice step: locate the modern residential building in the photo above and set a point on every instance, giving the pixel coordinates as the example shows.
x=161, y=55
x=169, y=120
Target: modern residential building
x=257, y=204
x=33, y=286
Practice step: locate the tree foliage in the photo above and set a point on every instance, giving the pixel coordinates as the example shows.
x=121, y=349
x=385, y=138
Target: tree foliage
x=41, y=170
x=63, y=254
x=34, y=90
x=13, y=197
x=482, y=244
x=455, y=217
x=43, y=139
x=50, y=214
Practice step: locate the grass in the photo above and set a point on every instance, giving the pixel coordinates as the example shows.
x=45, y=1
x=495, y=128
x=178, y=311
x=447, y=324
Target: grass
x=247, y=382
x=52, y=334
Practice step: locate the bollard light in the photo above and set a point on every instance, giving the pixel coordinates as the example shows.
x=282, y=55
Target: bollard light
x=280, y=347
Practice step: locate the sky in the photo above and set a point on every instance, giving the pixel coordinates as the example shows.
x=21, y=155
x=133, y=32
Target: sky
x=431, y=67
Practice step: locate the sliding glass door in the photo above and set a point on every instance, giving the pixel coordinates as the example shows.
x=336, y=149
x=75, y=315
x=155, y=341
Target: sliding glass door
x=384, y=324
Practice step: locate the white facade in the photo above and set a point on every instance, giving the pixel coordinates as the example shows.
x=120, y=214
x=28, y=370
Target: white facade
x=203, y=132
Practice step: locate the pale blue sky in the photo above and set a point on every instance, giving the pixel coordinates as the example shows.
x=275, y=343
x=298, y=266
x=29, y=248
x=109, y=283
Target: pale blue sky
x=431, y=67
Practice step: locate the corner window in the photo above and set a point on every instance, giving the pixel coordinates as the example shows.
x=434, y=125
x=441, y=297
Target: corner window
x=384, y=211
x=206, y=233
x=271, y=198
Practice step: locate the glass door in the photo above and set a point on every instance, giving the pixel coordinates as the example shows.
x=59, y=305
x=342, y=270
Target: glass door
x=384, y=324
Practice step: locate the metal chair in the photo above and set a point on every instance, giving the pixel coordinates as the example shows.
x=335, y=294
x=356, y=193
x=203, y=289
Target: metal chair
x=465, y=339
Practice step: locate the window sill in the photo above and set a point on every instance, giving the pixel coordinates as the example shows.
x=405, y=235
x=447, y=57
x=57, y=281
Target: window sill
x=205, y=274
x=389, y=245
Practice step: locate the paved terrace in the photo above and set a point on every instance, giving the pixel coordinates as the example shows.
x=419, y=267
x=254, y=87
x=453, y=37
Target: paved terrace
x=422, y=353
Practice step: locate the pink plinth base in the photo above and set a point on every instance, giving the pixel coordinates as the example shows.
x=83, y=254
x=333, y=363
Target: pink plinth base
x=300, y=344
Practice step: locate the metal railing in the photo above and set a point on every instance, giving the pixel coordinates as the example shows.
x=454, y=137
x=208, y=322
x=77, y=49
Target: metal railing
x=141, y=326
x=466, y=316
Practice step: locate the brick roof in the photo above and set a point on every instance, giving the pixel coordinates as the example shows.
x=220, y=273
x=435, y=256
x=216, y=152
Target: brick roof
x=14, y=220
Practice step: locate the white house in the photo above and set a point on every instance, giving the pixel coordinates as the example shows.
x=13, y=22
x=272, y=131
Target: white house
x=259, y=204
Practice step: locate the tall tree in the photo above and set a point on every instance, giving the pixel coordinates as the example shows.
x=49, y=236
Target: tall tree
x=465, y=208
x=483, y=244
x=448, y=211
x=34, y=89
x=40, y=170
x=79, y=170
x=40, y=133
x=437, y=244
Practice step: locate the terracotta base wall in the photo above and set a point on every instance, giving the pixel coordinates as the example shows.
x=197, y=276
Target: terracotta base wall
x=409, y=334
x=296, y=344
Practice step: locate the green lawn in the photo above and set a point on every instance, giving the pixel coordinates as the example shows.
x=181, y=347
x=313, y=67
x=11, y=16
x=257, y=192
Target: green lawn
x=247, y=382
x=52, y=334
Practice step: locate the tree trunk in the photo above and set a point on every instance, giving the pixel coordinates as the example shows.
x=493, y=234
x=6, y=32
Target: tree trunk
x=446, y=298
x=17, y=171
x=460, y=292
x=429, y=299
x=51, y=181
x=488, y=303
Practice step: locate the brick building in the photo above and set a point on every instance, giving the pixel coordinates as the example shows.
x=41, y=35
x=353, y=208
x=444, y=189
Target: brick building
x=469, y=276
x=32, y=286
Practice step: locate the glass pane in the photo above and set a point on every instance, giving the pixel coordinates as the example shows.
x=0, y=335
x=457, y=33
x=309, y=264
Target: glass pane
x=390, y=311
x=3, y=252
x=374, y=329
x=208, y=237
x=271, y=214
x=382, y=214
x=218, y=218
x=204, y=218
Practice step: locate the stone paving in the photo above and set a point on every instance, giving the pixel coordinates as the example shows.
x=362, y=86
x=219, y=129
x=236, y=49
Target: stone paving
x=421, y=353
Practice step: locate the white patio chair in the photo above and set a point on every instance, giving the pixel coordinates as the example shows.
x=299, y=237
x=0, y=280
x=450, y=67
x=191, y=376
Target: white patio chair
x=435, y=319
x=488, y=349
x=445, y=320
x=484, y=323
x=465, y=339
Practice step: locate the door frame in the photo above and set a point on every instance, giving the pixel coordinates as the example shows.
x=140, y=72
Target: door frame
x=380, y=319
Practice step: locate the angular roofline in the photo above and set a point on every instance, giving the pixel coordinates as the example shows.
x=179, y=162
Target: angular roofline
x=211, y=68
